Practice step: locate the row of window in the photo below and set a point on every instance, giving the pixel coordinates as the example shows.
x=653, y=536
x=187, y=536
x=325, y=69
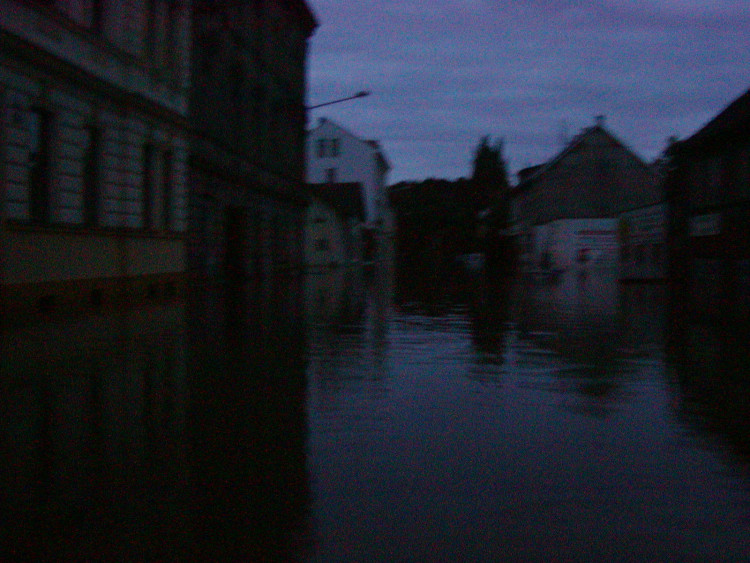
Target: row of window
x=161, y=21
x=40, y=180
x=328, y=148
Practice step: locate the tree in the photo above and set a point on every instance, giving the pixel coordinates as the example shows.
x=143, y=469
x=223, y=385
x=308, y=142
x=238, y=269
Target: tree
x=489, y=180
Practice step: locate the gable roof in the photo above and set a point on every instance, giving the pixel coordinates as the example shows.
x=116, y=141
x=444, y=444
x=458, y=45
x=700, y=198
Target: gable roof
x=732, y=121
x=372, y=144
x=344, y=197
x=533, y=173
x=325, y=122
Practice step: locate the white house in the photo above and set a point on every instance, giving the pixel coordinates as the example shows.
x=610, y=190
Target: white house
x=337, y=156
x=334, y=155
x=333, y=226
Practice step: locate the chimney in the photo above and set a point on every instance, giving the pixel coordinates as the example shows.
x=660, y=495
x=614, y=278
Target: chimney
x=599, y=119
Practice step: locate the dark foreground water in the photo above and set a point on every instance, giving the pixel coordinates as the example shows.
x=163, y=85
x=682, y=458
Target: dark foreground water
x=358, y=416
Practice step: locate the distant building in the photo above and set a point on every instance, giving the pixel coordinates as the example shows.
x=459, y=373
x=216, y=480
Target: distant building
x=334, y=225
x=334, y=155
x=595, y=177
x=247, y=184
x=93, y=137
x=643, y=243
x=709, y=189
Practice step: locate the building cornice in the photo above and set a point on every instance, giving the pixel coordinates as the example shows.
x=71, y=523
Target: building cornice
x=18, y=51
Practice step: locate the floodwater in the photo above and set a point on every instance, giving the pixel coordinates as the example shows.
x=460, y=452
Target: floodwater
x=361, y=416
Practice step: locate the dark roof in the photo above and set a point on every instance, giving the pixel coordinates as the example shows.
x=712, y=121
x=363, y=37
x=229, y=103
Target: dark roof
x=344, y=197
x=731, y=122
x=534, y=172
x=527, y=172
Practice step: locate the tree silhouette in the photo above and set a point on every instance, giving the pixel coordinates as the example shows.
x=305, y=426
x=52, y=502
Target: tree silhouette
x=489, y=180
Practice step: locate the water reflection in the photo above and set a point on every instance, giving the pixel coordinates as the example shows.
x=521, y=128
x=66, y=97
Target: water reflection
x=370, y=415
x=248, y=424
x=510, y=420
x=711, y=370
x=93, y=429
x=170, y=433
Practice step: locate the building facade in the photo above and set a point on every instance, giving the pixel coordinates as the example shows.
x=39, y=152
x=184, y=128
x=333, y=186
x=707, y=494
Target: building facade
x=247, y=183
x=335, y=155
x=642, y=237
x=708, y=188
x=93, y=149
x=334, y=225
x=595, y=177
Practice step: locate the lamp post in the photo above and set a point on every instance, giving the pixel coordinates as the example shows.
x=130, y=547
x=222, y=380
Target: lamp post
x=361, y=94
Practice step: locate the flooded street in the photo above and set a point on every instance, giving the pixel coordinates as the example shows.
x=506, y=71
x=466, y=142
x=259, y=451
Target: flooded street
x=359, y=416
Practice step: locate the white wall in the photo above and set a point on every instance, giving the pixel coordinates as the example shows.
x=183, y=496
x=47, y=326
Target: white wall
x=357, y=162
x=566, y=238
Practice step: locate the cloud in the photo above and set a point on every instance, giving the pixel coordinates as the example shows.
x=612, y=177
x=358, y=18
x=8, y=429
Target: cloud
x=447, y=72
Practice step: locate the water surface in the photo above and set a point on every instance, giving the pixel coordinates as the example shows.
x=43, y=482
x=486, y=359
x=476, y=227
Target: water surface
x=359, y=415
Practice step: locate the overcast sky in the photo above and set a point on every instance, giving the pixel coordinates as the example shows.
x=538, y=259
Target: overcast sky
x=444, y=73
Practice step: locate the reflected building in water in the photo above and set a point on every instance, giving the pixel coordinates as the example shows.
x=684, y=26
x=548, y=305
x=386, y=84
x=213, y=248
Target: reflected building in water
x=93, y=436
x=591, y=332
x=147, y=435
x=710, y=370
x=576, y=314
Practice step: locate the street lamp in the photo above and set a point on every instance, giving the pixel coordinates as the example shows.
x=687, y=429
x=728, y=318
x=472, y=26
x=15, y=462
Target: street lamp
x=361, y=94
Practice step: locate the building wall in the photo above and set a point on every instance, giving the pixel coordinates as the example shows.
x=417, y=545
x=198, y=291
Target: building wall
x=597, y=177
x=709, y=187
x=575, y=244
x=247, y=196
x=140, y=47
x=249, y=81
x=325, y=236
x=109, y=91
x=642, y=238
x=354, y=161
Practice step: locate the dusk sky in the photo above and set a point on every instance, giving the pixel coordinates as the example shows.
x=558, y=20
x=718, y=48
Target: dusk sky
x=444, y=73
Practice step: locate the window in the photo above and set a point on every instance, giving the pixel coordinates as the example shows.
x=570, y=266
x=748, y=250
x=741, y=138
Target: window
x=39, y=165
x=151, y=35
x=91, y=177
x=166, y=191
x=331, y=175
x=328, y=148
x=97, y=16
x=147, y=185
x=162, y=21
